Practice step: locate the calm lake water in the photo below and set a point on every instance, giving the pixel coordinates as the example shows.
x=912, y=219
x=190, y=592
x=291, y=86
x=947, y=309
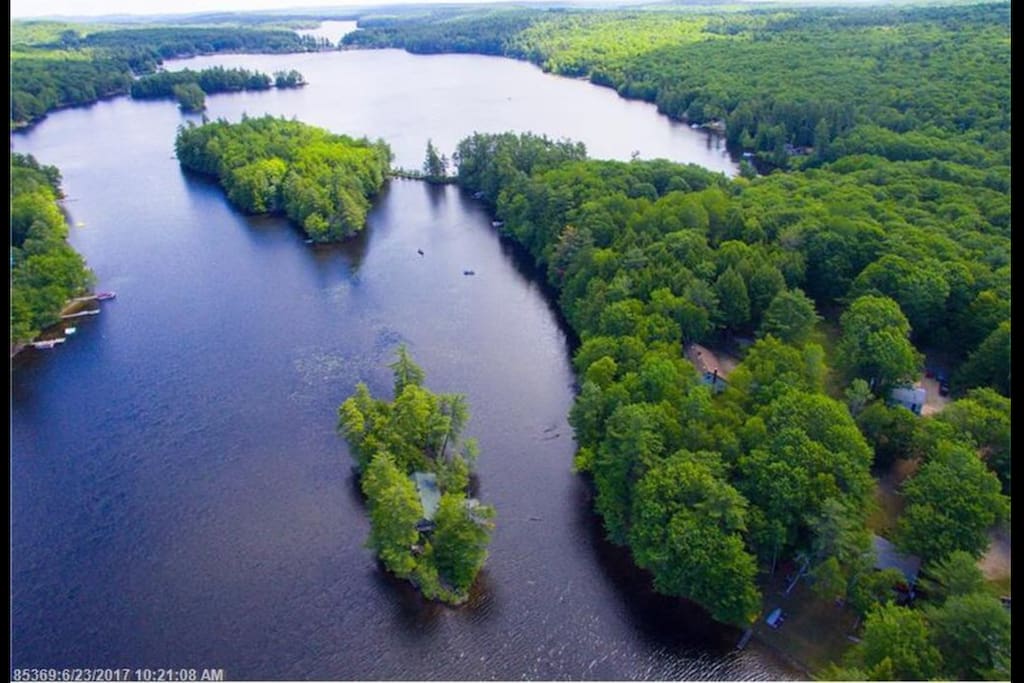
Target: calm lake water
x=179, y=495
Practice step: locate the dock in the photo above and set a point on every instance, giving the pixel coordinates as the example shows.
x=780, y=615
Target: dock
x=80, y=314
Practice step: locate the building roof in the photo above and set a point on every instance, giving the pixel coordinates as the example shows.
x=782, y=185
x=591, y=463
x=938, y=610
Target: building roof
x=909, y=395
x=430, y=494
x=887, y=557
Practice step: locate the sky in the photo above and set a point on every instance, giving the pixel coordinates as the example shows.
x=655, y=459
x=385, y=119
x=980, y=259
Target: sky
x=42, y=8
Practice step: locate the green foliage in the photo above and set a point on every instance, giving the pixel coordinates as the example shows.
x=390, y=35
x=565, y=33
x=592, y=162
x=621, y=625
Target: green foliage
x=875, y=345
x=952, y=502
x=460, y=540
x=418, y=431
x=982, y=419
x=954, y=575
x=213, y=80
x=190, y=97
x=891, y=432
x=791, y=317
x=321, y=181
x=74, y=70
x=45, y=271
x=989, y=365
x=973, y=633
x=686, y=530
x=394, y=510
x=435, y=165
x=895, y=646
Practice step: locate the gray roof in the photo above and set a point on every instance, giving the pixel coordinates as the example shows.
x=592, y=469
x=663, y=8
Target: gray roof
x=909, y=395
x=430, y=494
x=886, y=557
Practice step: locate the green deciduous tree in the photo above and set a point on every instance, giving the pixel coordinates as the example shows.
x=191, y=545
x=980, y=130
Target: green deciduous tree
x=952, y=501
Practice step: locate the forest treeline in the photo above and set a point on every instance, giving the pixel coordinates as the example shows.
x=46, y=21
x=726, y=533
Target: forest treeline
x=77, y=68
x=321, y=181
x=45, y=271
x=414, y=468
x=191, y=87
x=796, y=87
x=707, y=488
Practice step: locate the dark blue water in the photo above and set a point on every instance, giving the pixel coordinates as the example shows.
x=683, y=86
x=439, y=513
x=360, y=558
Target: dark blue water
x=179, y=495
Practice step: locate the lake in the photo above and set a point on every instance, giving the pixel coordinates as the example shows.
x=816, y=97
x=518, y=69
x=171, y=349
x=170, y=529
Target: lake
x=179, y=495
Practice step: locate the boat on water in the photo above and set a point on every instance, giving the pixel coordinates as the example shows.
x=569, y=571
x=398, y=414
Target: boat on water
x=497, y=224
x=104, y=296
x=70, y=330
x=468, y=272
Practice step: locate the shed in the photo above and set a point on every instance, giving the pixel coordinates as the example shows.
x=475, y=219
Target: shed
x=887, y=557
x=430, y=494
x=911, y=398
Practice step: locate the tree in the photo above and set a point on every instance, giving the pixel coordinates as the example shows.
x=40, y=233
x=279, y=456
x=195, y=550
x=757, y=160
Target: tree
x=405, y=371
x=982, y=419
x=895, y=646
x=190, y=96
x=875, y=344
x=989, y=364
x=858, y=394
x=953, y=575
x=394, y=511
x=952, y=501
x=434, y=165
x=790, y=316
x=460, y=539
x=973, y=633
x=733, y=299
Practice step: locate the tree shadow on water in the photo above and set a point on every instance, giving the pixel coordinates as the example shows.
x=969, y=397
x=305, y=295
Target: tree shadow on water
x=663, y=620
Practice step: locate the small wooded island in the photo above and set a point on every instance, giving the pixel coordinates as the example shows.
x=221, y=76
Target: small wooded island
x=414, y=471
x=321, y=181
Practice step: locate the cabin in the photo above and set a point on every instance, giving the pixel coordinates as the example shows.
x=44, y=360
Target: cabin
x=911, y=398
x=708, y=367
x=887, y=557
x=430, y=498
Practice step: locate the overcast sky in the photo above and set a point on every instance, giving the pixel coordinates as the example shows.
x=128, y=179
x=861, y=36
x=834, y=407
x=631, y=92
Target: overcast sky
x=42, y=8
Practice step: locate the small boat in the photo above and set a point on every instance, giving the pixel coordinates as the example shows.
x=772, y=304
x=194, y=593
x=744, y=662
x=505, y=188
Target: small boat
x=497, y=224
x=308, y=241
x=105, y=296
x=468, y=272
x=420, y=252
x=70, y=330
x=48, y=343
x=478, y=195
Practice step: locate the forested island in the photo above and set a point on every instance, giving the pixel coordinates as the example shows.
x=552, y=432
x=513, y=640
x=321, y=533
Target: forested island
x=190, y=87
x=321, y=181
x=56, y=65
x=45, y=271
x=414, y=469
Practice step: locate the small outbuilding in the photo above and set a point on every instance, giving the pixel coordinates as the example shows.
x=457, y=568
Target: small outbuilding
x=887, y=557
x=911, y=398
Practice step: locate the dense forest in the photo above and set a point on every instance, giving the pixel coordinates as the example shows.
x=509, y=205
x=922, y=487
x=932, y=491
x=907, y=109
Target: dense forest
x=76, y=67
x=710, y=489
x=321, y=181
x=415, y=442
x=795, y=87
x=45, y=271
